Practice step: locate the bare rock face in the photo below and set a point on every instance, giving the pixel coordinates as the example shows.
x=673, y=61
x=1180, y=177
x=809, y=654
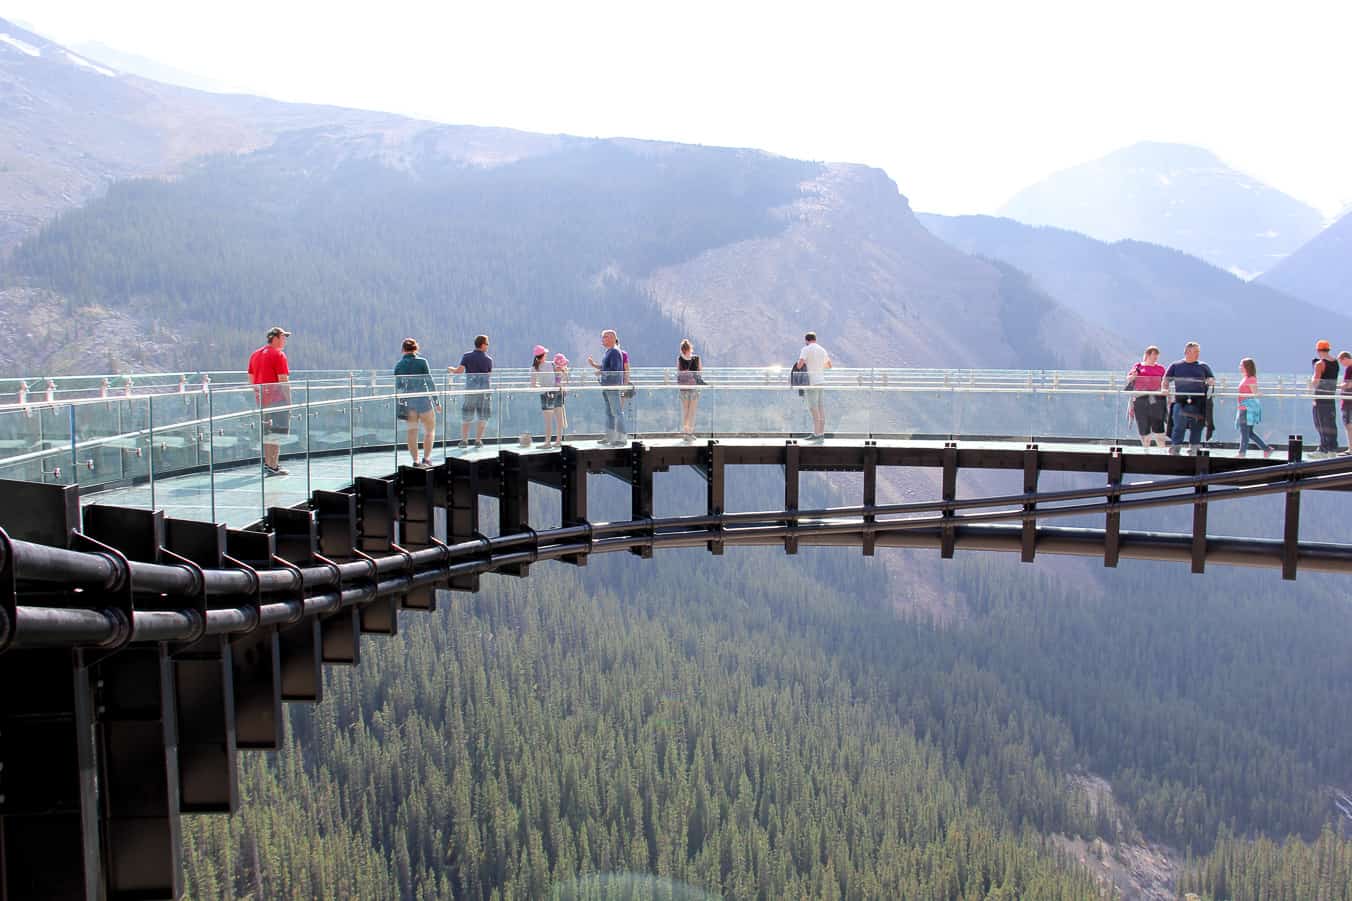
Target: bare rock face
x=42, y=335
x=856, y=266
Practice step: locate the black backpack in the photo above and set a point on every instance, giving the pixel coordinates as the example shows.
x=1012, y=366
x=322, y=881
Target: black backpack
x=798, y=376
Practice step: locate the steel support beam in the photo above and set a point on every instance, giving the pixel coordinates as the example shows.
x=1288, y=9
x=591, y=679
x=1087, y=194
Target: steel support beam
x=301, y=643
x=1199, y=510
x=573, y=495
x=1030, y=474
x=641, y=492
x=204, y=691
x=257, y=658
x=462, y=512
x=1291, y=519
x=513, y=503
x=1112, y=528
x=792, y=460
x=377, y=533
x=714, y=465
x=949, y=491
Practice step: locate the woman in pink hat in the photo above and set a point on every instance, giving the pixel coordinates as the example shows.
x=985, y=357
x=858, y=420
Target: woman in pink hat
x=551, y=400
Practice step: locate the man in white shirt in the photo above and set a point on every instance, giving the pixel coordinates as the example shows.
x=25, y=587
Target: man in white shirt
x=817, y=361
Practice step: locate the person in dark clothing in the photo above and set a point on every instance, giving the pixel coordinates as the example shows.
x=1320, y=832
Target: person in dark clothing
x=611, y=369
x=1324, y=384
x=688, y=369
x=1345, y=358
x=478, y=401
x=416, y=391
x=1191, y=381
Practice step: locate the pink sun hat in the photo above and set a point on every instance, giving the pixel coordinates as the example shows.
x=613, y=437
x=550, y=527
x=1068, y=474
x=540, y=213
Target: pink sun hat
x=539, y=350
x=560, y=361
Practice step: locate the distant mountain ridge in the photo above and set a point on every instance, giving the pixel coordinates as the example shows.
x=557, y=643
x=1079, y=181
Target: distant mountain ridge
x=1321, y=271
x=1151, y=294
x=368, y=227
x=1175, y=195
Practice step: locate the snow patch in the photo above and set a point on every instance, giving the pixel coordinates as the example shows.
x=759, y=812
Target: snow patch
x=19, y=45
x=86, y=64
x=1270, y=233
x=1244, y=274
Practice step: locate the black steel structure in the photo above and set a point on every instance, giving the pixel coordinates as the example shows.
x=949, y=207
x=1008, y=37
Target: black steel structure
x=139, y=653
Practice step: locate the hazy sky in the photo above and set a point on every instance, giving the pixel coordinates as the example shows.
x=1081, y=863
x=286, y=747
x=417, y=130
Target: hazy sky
x=962, y=103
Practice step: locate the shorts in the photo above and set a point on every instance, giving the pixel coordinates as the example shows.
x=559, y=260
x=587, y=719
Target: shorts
x=1150, y=412
x=689, y=394
x=276, y=422
x=551, y=400
x=477, y=406
x=416, y=406
x=813, y=396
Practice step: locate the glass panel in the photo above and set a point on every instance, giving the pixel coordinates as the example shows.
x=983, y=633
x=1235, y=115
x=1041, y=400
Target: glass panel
x=180, y=451
x=329, y=464
x=23, y=449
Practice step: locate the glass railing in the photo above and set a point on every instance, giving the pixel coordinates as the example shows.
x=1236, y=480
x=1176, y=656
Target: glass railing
x=204, y=453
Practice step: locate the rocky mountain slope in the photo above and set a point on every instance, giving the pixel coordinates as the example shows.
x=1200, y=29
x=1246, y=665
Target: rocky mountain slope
x=69, y=127
x=1321, y=271
x=370, y=227
x=1179, y=196
x=1151, y=294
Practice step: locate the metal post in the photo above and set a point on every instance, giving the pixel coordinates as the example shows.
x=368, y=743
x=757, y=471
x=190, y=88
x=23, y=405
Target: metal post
x=1291, y=521
x=792, y=457
x=714, y=466
x=869, y=539
x=1199, y=508
x=948, y=536
x=573, y=495
x=1030, y=473
x=1113, y=521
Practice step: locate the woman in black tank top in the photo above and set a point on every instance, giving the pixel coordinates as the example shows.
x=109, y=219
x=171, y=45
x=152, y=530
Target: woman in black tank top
x=688, y=368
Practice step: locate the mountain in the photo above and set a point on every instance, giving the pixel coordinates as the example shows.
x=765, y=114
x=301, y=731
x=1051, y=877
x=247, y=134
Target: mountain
x=132, y=64
x=652, y=238
x=275, y=210
x=70, y=127
x=1321, y=271
x=1151, y=294
x=1176, y=195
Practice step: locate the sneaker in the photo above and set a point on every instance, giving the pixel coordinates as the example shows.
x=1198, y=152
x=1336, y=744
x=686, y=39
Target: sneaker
x=464, y=442
x=1174, y=449
x=1346, y=453
x=425, y=464
x=478, y=442
x=274, y=471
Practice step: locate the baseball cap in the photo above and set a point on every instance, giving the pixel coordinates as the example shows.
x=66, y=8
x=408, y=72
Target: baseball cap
x=1322, y=345
x=539, y=350
x=278, y=330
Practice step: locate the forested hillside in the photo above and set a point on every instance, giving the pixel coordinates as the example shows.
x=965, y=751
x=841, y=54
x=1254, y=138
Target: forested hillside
x=354, y=255
x=759, y=726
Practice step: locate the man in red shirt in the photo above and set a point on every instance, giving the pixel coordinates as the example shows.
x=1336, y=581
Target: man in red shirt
x=268, y=369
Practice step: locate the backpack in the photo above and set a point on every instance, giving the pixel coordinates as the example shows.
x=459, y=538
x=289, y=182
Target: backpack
x=798, y=376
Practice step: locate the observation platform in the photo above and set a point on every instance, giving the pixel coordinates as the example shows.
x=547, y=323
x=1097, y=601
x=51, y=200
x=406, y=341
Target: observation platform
x=161, y=595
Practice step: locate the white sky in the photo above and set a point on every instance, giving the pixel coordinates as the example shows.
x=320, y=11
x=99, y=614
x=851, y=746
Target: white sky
x=963, y=103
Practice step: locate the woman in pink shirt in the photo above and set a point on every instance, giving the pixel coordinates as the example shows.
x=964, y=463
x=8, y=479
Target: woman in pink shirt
x=1150, y=404
x=1250, y=411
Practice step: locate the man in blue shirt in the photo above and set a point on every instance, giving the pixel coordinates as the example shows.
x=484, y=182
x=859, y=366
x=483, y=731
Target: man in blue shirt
x=611, y=368
x=1191, y=381
x=479, y=401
